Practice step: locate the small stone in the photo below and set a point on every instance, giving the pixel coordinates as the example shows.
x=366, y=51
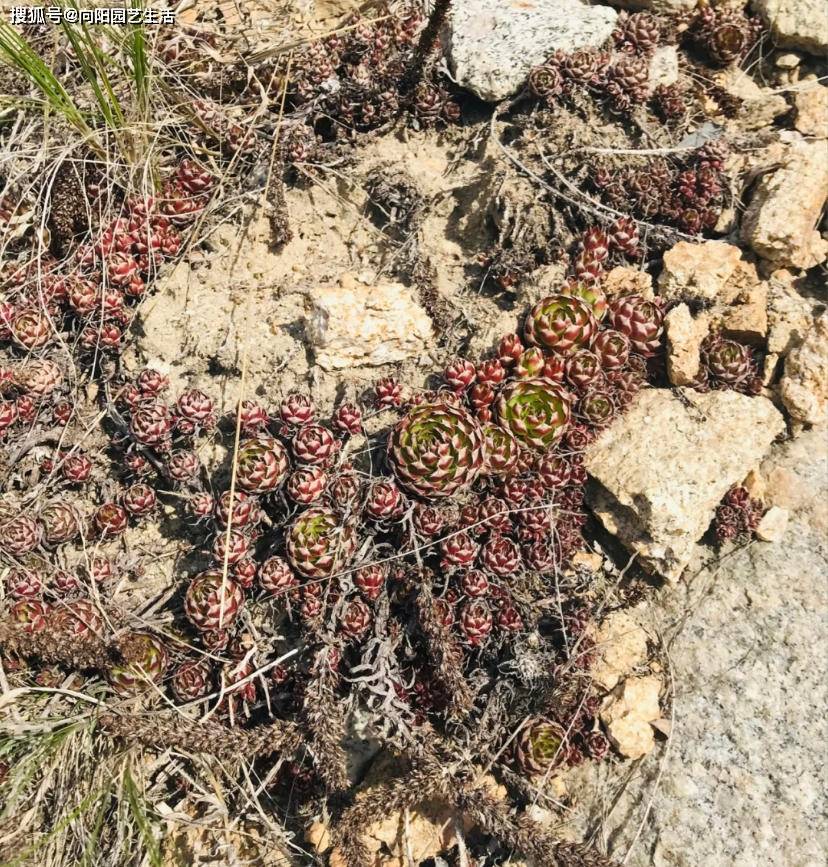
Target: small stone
x=787, y=60
x=804, y=385
x=637, y=696
x=352, y=325
x=589, y=560
x=811, y=104
x=773, y=525
x=661, y=469
x=800, y=24
x=790, y=316
x=624, y=280
x=621, y=646
x=699, y=272
x=760, y=106
x=493, y=46
x=664, y=66
x=632, y=737
x=319, y=837
x=779, y=222
x=755, y=484
x=746, y=321
x=684, y=338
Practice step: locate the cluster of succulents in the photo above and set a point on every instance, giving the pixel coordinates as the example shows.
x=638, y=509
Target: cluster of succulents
x=689, y=194
x=737, y=516
x=479, y=498
x=92, y=292
x=359, y=78
x=724, y=34
x=620, y=81
x=32, y=388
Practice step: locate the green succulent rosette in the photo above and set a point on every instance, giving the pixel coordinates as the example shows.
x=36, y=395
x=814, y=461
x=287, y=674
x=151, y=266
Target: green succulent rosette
x=144, y=659
x=319, y=543
x=436, y=450
x=561, y=323
x=535, y=411
x=541, y=747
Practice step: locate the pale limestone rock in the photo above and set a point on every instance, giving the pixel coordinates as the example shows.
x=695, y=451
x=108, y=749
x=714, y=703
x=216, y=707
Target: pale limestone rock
x=747, y=320
x=492, y=46
x=623, y=280
x=620, y=645
x=790, y=315
x=760, y=106
x=664, y=67
x=636, y=696
x=352, y=324
x=662, y=468
x=804, y=386
x=779, y=222
x=631, y=736
x=684, y=338
x=800, y=24
x=787, y=60
x=428, y=832
x=811, y=104
x=773, y=525
x=755, y=484
x=590, y=560
x=699, y=272
x=627, y=715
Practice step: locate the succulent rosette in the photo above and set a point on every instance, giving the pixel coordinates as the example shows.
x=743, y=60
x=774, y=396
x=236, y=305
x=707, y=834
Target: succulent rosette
x=76, y=617
x=642, y=321
x=192, y=680
x=500, y=450
x=262, y=465
x=541, y=747
x=436, y=450
x=319, y=543
x=213, y=603
x=535, y=411
x=597, y=407
x=726, y=360
x=30, y=615
x=561, y=323
x=583, y=368
x=60, y=522
x=612, y=348
x=501, y=556
x=143, y=659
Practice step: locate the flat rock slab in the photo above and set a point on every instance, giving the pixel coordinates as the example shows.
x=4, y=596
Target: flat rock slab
x=493, y=45
x=659, y=472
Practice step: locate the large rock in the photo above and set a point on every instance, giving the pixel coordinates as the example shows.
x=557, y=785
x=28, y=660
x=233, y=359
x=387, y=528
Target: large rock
x=804, y=387
x=352, y=324
x=779, y=222
x=699, y=272
x=741, y=782
x=660, y=471
x=494, y=45
x=799, y=24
